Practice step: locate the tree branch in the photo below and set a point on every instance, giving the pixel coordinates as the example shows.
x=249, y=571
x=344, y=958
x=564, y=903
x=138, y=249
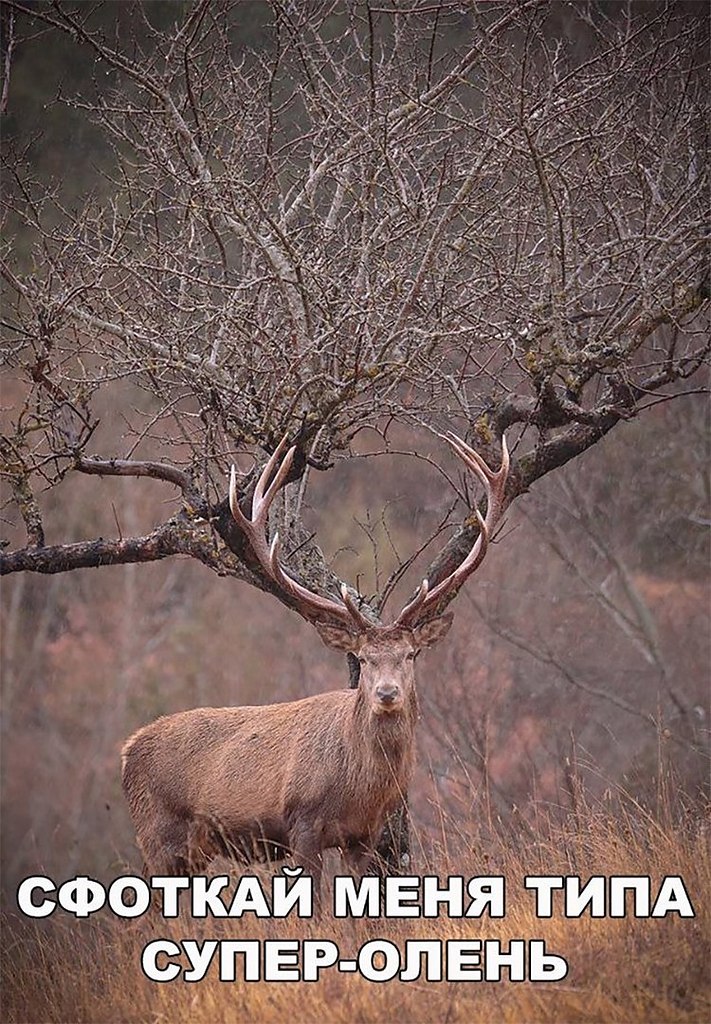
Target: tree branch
x=154, y=470
x=176, y=537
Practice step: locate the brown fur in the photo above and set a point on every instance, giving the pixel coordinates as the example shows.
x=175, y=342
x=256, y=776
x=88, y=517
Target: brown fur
x=295, y=778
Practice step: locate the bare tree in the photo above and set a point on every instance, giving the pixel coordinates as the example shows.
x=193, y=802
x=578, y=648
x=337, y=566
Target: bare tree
x=381, y=214
x=403, y=214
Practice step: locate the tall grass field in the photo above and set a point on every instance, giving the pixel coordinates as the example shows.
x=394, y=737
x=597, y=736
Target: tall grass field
x=621, y=969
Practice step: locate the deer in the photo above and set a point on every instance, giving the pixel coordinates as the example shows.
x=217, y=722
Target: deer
x=294, y=779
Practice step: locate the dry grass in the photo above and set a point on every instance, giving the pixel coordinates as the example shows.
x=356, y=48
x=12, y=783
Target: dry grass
x=621, y=970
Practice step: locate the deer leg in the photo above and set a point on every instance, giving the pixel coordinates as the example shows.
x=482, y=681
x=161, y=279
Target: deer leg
x=360, y=858
x=393, y=847
x=166, y=849
x=306, y=854
x=201, y=845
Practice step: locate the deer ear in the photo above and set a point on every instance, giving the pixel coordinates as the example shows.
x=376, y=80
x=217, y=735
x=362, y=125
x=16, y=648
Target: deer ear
x=432, y=632
x=337, y=637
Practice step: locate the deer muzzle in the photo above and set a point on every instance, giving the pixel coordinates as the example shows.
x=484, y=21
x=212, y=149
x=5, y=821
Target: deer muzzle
x=389, y=696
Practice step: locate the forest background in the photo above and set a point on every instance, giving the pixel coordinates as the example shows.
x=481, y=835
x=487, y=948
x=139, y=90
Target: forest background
x=576, y=676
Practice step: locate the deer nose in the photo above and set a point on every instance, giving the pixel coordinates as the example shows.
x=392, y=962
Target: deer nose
x=387, y=693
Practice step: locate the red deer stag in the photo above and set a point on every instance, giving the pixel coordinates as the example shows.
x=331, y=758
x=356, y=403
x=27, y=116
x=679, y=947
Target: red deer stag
x=301, y=777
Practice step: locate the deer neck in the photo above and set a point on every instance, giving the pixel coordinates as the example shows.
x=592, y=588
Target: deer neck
x=385, y=737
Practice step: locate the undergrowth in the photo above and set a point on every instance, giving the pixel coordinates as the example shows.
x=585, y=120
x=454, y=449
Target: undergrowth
x=620, y=969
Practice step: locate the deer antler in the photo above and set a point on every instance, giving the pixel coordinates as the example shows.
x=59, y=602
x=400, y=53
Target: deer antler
x=495, y=485
x=312, y=605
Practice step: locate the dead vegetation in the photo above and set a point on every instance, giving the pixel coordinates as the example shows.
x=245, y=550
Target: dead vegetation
x=620, y=970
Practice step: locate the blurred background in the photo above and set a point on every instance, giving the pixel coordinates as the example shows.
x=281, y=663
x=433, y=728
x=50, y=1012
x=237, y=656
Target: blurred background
x=579, y=655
